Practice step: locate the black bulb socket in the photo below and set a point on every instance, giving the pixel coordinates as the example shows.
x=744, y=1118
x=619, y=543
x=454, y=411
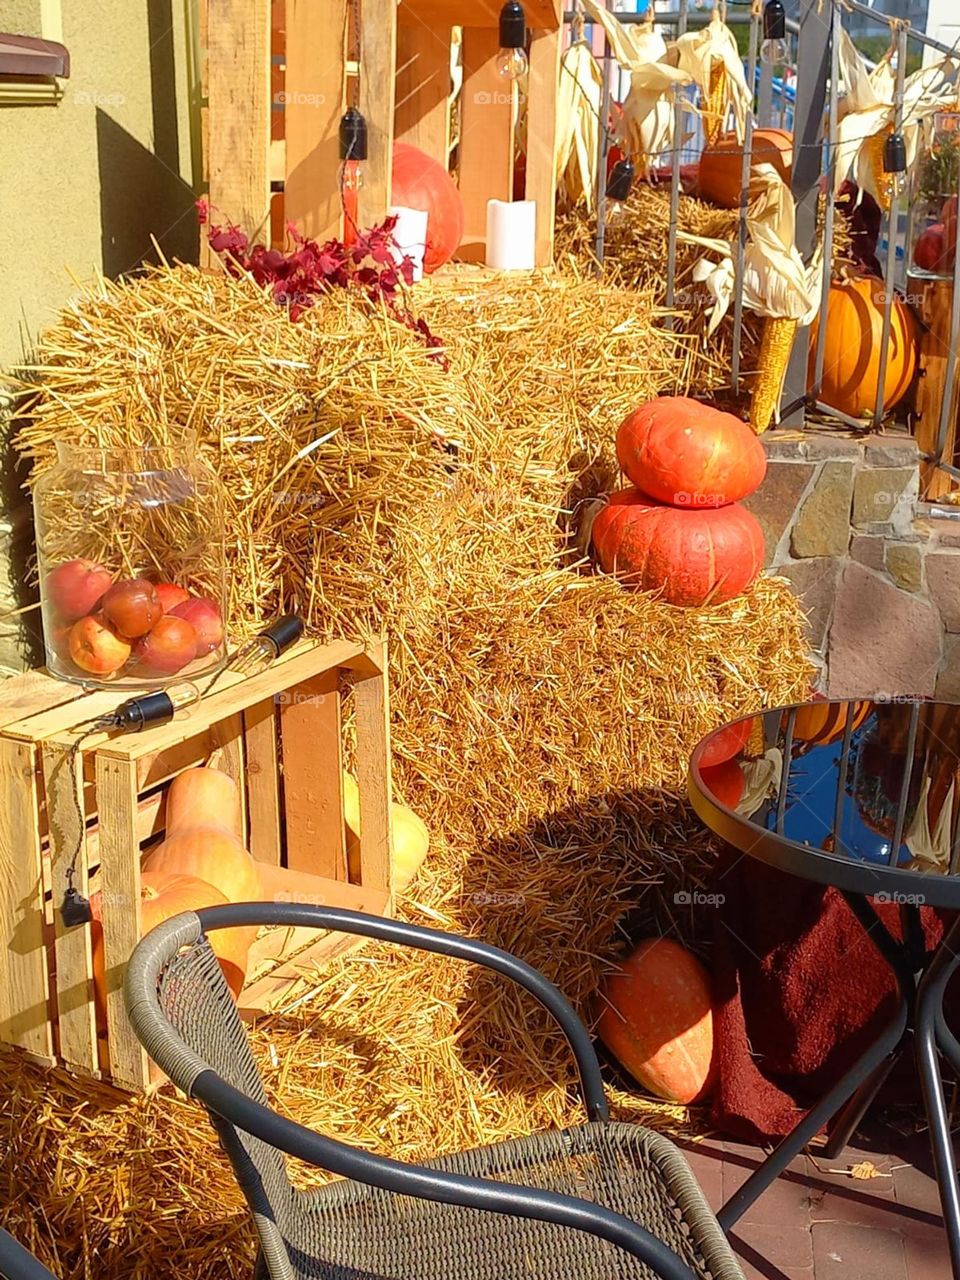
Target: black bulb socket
x=895, y=154
x=353, y=135
x=284, y=632
x=774, y=20
x=620, y=180
x=513, y=26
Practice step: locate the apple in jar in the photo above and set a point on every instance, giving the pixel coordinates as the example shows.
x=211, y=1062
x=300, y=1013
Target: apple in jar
x=171, y=595
x=204, y=616
x=132, y=607
x=75, y=587
x=168, y=648
x=96, y=648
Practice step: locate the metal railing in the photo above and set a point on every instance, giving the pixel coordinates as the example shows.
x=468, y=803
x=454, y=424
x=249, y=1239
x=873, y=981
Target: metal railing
x=777, y=102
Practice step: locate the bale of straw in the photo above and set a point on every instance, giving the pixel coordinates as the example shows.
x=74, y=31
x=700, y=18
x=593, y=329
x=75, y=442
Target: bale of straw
x=541, y=718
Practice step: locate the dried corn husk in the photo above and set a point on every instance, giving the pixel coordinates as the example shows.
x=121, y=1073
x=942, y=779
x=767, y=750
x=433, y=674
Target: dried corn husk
x=711, y=58
x=868, y=115
x=579, y=98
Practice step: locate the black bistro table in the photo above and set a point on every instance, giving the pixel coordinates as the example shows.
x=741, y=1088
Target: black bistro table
x=863, y=796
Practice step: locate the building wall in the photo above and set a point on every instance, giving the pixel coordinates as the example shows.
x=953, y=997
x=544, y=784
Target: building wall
x=85, y=184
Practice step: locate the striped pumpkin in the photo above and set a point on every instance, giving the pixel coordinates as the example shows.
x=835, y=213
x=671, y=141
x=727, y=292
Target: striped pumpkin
x=820, y=723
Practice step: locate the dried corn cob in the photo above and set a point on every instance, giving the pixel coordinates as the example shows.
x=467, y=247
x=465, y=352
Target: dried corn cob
x=715, y=105
x=775, y=348
x=873, y=153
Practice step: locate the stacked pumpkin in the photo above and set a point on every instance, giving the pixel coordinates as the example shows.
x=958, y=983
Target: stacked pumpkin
x=681, y=531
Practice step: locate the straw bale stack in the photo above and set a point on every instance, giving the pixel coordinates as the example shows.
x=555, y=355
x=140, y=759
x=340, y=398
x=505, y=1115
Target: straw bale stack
x=541, y=717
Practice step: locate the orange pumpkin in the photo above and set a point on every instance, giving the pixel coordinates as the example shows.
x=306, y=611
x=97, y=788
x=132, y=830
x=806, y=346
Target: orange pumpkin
x=851, y=365
x=820, y=723
x=721, y=166
x=689, y=556
x=725, y=782
x=203, y=797
x=657, y=1020
x=689, y=454
x=162, y=897
x=725, y=743
x=420, y=182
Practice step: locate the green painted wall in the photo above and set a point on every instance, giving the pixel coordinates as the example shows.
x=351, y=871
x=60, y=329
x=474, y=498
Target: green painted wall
x=84, y=185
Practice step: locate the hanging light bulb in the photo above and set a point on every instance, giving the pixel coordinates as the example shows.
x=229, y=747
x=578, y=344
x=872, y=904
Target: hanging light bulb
x=775, y=47
x=895, y=164
x=353, y=152
x=619, y=183
x=512, y=54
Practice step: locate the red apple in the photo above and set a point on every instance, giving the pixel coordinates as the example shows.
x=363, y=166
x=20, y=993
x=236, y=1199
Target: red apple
x=171, y=595
x=204, y=616
x=74, y=587
x=58, y=637
x=132, y=607
x=95, y=647
x=167, y=648
x=929, y=253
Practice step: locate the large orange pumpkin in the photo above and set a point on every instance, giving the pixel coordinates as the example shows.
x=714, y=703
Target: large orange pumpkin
x=689, y=556
x=725, y=782
x=420, y=182
x=657, y=1020
x=721, y=166
x=690, y=454
x=162, y=897
x=210, y=853
x=725, y=743
x=851, y=365
x=819, y=723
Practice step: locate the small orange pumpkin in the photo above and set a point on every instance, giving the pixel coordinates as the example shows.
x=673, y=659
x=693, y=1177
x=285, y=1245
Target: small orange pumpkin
x=819, y=723
x=851, y=364
x=721, y=166
x=657, y=1020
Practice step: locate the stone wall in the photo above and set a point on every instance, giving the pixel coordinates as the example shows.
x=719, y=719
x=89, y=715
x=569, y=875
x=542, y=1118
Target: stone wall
x=881, y=587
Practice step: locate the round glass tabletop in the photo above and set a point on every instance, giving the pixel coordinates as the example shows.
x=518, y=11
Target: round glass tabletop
x=861, y=795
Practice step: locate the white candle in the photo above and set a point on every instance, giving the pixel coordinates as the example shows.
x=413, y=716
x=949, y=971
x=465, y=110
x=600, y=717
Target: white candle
x=410, y=234
x=511, y=234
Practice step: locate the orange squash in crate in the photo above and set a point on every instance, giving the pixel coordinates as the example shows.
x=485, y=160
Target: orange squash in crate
x=721, y=166
x=851, y=362
x=657, y=1021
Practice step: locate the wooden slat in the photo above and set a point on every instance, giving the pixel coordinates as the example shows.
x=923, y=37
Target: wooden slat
x=227, y=738
x=33, y=692
x=238, y=103
x=486, y=138
x=423, y=89
x=150, y=821
x=77, y=1033
x=377, y=95
x=372, y=711
x=24, y=1017
x=310, y=736
x=263, y=781
x=120, y=904
x=482, y=13
x=545, y=47
x=314, y=103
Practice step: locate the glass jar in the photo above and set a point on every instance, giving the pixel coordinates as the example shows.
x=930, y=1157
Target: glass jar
x=130, y=550
x=933, y=200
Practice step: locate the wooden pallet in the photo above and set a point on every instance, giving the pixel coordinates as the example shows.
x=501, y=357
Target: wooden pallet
x=278, y=734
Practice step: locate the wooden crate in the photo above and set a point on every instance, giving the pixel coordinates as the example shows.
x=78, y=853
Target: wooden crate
x=264, y=125
x=279, y=734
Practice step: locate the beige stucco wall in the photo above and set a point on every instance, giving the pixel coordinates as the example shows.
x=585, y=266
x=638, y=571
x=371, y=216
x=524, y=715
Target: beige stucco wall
x=84, y=184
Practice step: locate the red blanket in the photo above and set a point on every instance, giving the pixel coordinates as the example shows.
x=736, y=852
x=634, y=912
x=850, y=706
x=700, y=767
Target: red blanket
x=800, y=992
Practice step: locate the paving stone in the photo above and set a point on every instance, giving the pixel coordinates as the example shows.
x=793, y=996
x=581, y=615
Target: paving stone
x=890, y=449
x=775, y=502
x=822, y=445
x=927, y=1256
x=786, y=445
x=904, y=563
x=823, y=525
x=880, y=491
x=867, y=549
x=814, y=583
x=943, y=584
x=946, y=533
x=882, y=640
x=948, y=681
x=781, y=1244
x=842, y=1251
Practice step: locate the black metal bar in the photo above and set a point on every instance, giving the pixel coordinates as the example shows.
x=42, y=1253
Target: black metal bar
x=889, y=20
x=435, y=1185
x=665, y=19
x=16, y=1263
x=830, y=211
x=296, y=915
x=905, y=785
x=744, y=200
x=946, y=404
x=813, y=55
x=842, y=777
x=785, y=771
x=600, y=247
x=670, y=298
x=928, y=1017
x=893, y=230
x=848, y=1118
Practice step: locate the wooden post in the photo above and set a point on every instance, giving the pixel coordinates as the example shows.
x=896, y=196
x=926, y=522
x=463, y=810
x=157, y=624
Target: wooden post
x=238, y=100
x=313, y=105
x=423, y=89
x=372, y=706
x=545, y=47
x=378, y=57
x=313, y=782
x=486, y=138
x=935, y=313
